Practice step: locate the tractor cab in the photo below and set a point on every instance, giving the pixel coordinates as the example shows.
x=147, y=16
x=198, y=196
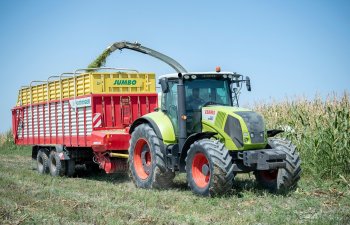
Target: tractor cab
x=202, y=89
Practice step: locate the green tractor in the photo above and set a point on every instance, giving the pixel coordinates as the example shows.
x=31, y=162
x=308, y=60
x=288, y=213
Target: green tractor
x=199, y=129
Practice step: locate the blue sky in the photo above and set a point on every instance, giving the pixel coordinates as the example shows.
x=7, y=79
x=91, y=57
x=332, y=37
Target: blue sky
x=288, y=48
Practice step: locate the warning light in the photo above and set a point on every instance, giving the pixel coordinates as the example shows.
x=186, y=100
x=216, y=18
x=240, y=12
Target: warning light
x=218, y=69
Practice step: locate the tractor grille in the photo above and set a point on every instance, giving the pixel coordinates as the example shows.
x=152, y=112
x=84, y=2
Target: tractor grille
x=255, y=125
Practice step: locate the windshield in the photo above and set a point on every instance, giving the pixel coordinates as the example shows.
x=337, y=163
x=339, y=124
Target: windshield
x=207, y=91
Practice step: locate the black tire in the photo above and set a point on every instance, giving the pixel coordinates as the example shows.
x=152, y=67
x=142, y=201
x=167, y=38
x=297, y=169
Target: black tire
x=42, y=162
x=56, y=165
x=281, y=180
x=70, y=168
x=215, y=178
x=92, y=167
x=146, y=161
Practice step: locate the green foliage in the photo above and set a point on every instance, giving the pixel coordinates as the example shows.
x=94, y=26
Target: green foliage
x=100, y=60
x=320, y=129
x=7, y=143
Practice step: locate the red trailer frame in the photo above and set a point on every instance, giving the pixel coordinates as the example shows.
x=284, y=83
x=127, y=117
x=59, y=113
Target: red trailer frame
x=103, y=122
x=99, y=122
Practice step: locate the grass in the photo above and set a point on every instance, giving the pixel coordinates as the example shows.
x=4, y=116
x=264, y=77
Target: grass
x=27, y=197
x=320, y=129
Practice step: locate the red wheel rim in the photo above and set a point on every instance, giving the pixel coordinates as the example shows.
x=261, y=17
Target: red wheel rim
x=142, y=159
x=269, y=175
x=200, y=170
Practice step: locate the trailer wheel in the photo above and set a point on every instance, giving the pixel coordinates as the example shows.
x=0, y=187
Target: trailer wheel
x=70, y=167
x=92, y=167
x=281, y=180
x=146, y=160
x=42, y=162
x=56, y=165
x=209, y=168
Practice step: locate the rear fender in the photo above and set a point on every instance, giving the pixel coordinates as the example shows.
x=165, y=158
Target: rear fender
x=160, y=123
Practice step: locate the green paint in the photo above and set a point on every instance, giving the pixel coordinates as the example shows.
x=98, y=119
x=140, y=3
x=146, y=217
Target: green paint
x=225, y=138
x=125, y=82
x=165, y=126
x=167, y=130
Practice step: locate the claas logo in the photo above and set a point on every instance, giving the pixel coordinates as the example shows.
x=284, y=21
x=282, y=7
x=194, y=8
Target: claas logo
x=125, y=82
x=209, y=112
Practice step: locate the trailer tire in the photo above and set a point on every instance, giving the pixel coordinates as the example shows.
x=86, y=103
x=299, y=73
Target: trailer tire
x=42, y=162
x=146, y=161
x=56, y=165
x=283, y=179
x=92, y=167
x=209, y=168
x=70, y=168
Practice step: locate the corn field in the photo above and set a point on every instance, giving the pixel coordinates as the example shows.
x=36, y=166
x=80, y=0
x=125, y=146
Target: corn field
x=319, y=128
x=7, y=142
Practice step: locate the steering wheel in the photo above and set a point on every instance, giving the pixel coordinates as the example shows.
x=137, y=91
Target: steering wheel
x=212, y=103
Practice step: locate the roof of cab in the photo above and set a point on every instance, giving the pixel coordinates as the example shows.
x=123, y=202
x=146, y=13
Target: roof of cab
x=175, y=75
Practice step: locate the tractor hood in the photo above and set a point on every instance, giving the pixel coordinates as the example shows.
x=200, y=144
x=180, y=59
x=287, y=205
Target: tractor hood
x=240, y=128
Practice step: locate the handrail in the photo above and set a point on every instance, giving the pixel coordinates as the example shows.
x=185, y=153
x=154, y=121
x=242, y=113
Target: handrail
x=61, y=90
x=31, y=91
x=64, y=75
x=48, y=82
x=20, y=95
x=109, y=68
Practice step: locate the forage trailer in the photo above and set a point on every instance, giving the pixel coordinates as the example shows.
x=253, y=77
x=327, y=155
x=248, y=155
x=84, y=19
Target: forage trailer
x=111, y=119
x=82, y=118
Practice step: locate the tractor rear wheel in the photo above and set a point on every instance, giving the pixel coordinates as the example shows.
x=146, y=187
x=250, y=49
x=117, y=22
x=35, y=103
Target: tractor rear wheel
x=42, y=162
x=283, y=179
x=146, y=160
x=56, y=165
x=209, y=168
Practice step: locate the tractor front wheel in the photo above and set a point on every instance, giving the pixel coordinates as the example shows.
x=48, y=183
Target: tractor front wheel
x=209, y=168
x=146, y=160
x=283, y=179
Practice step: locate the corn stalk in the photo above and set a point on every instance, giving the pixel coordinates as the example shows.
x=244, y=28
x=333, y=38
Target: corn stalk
x=320, y=129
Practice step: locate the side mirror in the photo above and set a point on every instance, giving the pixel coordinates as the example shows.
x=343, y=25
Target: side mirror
x=164, y=84
x=247, y=81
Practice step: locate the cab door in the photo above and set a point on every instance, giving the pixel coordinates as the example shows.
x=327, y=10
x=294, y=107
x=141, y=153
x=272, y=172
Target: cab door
x=170, y=106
